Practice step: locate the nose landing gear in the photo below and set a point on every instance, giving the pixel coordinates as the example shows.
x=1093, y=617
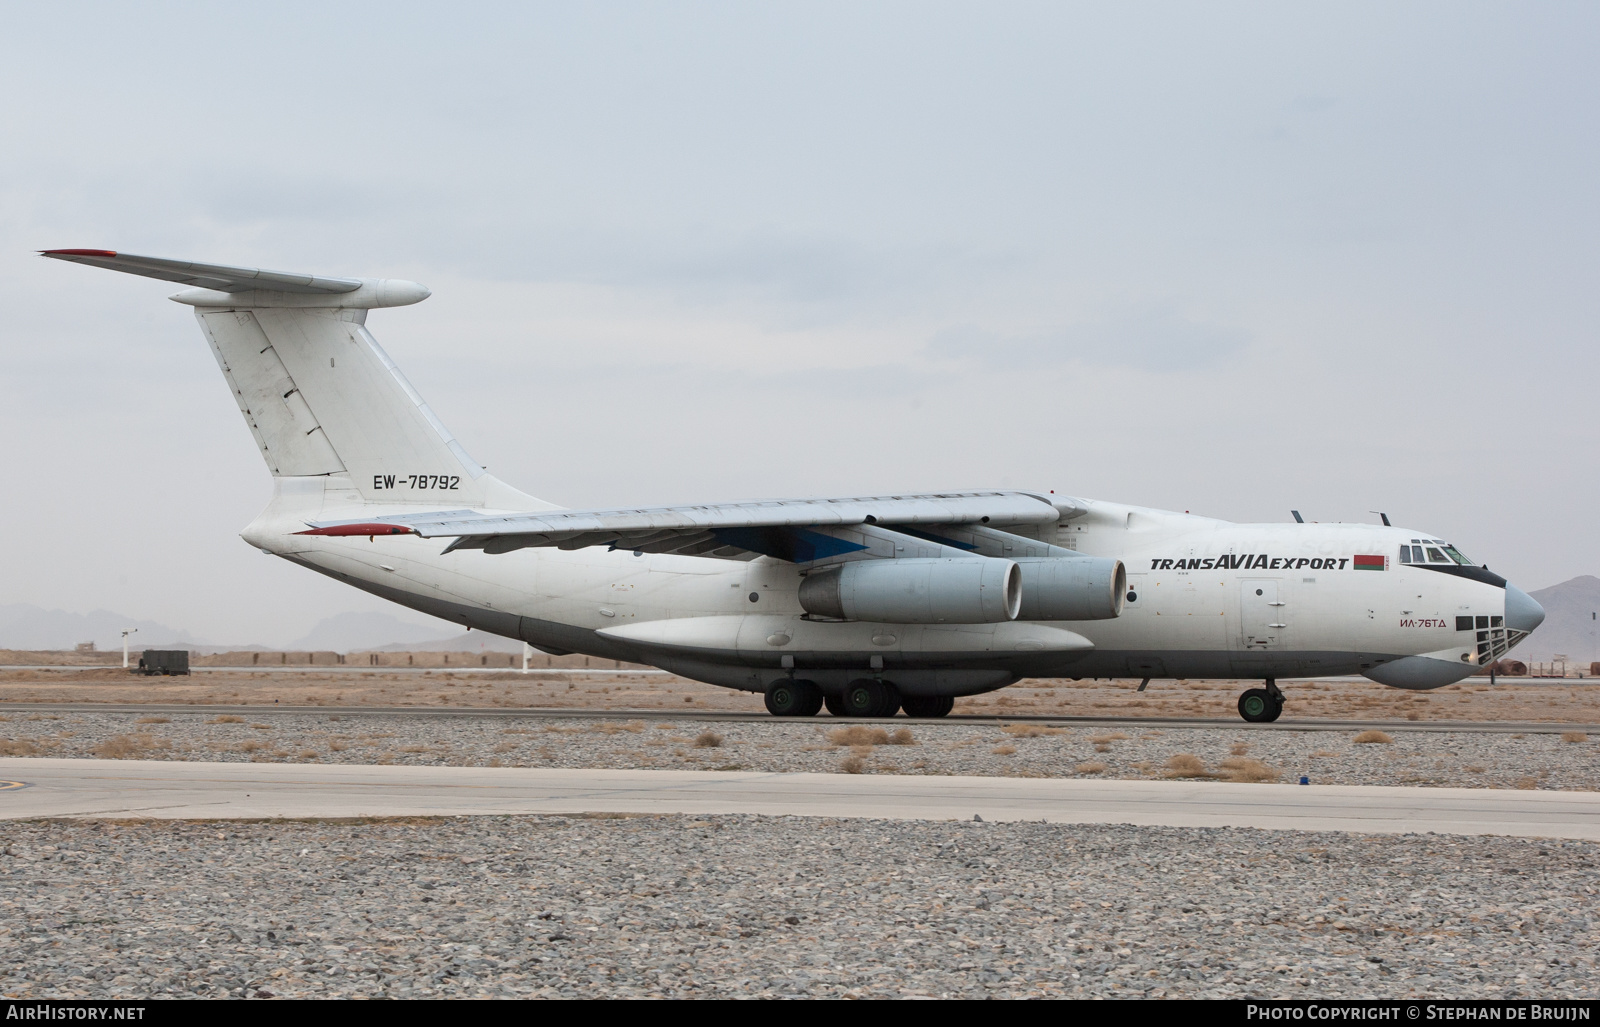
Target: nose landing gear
x=1262, y=705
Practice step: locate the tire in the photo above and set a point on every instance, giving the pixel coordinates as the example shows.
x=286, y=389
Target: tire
x=1257, y=706
x=813, y=703
x=835, y=705
x=787, y=698
x=866, y=697
x=927, y=705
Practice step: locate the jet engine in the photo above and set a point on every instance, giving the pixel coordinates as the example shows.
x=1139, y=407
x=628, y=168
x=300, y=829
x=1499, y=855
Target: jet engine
x=1072, y=588
x=971, y=590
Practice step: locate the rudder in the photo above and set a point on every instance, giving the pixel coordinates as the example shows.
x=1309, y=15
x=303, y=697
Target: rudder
x=322, y=397
x=288, y=434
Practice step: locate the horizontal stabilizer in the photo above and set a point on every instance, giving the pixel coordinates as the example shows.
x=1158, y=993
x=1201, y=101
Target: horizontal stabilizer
x=220, y=277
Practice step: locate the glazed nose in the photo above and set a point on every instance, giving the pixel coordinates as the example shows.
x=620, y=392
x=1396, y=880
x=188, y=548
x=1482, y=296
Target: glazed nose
x=1523, y=613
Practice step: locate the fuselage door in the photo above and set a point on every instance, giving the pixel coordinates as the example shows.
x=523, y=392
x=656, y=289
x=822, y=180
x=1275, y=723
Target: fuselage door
x=1262, y=613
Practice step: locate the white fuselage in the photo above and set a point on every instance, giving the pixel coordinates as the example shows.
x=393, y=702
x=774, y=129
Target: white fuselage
x=1205, y=598
x=352, y=446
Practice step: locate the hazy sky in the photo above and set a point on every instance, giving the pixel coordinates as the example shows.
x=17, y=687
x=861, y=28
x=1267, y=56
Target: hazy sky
x=1229, y=258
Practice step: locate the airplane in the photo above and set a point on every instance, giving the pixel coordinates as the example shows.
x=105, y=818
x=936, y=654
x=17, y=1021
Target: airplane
x=865, y=605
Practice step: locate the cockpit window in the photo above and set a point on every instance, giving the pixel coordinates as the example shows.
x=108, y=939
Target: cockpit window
x=1412, y=554
x=1439, y=552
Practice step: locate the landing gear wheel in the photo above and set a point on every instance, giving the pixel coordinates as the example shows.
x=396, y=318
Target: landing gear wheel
x=1259, y=706
x=868, y=697
x=927, y=705
x=787, y=698
x=835, y=705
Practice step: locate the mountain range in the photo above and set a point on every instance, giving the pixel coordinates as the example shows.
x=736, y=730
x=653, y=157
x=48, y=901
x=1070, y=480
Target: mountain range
x=1571, y=625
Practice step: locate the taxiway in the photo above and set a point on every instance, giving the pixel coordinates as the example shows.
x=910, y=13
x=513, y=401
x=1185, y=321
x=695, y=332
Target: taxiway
x=45, y=788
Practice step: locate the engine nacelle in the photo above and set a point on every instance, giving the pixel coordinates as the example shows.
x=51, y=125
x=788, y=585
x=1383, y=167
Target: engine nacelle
x=971, y=590
x=1072, y=588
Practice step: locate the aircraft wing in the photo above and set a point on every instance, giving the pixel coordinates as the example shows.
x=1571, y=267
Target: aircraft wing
x=798, y=530
x=220, y=277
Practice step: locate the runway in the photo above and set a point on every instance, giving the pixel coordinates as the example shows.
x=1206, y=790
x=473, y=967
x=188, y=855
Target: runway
x=583, y=713
x=42, y=788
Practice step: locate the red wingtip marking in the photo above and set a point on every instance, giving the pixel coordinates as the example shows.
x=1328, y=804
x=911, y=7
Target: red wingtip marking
x=361, y=529
x=80, y=253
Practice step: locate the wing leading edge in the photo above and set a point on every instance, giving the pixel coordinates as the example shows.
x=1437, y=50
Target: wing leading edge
x=797, y=530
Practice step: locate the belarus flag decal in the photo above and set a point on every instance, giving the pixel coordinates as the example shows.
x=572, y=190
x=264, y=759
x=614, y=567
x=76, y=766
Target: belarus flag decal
x=1370, y=563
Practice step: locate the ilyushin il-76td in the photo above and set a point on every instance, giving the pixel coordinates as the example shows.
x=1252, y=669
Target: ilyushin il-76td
x=867, y=605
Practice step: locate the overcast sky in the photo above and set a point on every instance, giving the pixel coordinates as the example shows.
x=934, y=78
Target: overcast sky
x=1223, y=258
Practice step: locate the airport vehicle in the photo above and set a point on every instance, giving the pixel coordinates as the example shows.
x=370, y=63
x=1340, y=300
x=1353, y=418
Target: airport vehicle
x=868, y=605
x=166, y=662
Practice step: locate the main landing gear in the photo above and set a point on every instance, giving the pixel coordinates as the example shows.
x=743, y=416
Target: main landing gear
x=1262, y=705
x=928, y=705
x=788, y=698
x=864, y=697
x=870, y=697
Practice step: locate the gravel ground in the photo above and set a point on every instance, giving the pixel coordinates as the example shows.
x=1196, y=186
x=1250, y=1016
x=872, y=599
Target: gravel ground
x=755, y=906
x=1456, y=759
x=1521, y=699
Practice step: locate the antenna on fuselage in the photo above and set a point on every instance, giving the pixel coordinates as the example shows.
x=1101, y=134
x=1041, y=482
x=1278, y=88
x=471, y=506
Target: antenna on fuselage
x=1385, y=517
x=1297, y=518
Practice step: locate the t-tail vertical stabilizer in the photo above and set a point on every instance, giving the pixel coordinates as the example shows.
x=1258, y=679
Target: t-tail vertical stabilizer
x=337, y=423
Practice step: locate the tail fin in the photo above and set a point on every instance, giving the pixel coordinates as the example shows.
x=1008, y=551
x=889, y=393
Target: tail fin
x=320, y=395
